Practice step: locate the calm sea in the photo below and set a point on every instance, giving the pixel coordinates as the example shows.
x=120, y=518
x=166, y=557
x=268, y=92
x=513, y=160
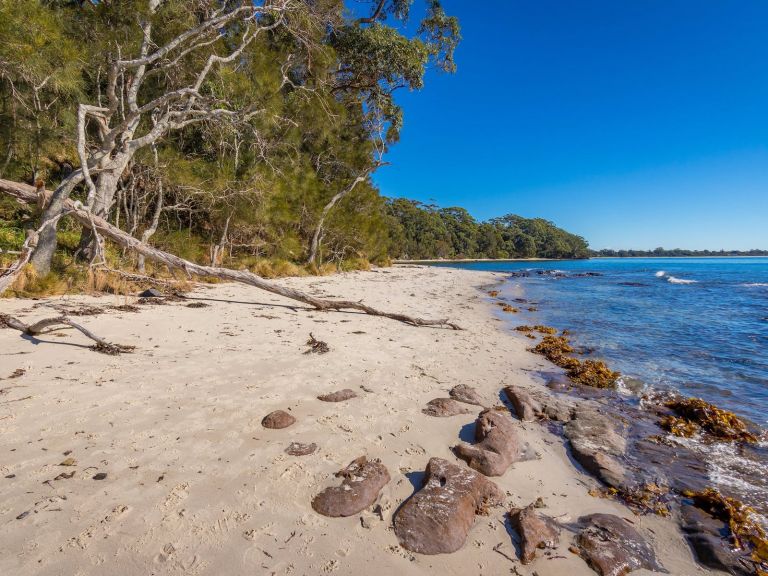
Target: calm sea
x=696, y=325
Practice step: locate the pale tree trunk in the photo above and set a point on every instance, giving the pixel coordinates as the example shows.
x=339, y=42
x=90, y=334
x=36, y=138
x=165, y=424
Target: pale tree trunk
x=217, y=249
x=180, y=106
x=27, y=194
x=317, y=236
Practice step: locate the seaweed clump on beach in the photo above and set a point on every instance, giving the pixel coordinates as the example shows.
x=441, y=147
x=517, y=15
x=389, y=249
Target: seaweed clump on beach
x=538, y=328
x=693, y=415
x=746, y=533
x=507, y=307
x=593, y=373
x=648, y=498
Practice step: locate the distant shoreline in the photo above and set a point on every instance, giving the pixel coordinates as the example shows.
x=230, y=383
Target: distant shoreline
x=469, y=260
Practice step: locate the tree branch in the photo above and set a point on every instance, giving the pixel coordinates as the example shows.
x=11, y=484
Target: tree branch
x=26, y=193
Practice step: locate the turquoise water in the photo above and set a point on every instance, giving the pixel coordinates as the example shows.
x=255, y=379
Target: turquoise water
x=695, y=325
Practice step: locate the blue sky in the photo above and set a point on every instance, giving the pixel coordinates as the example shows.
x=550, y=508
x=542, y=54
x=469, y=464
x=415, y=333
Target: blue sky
x=635, y=124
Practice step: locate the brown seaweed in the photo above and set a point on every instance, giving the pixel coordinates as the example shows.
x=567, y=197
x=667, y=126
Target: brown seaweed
x=593, y=373
x=694, y=414
x=746, y=533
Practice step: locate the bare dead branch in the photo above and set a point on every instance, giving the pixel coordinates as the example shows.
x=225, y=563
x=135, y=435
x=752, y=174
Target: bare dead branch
x=27, y=194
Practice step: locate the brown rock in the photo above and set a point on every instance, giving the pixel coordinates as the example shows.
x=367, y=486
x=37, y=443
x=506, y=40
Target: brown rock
x=536, y=531
x=363, y=480
x=338, y=396
x=497, y=445
x=598, y=445
x=299, y=449
x=614, y=548
x=277, y=419
x=437, y=519
x=444, y=407
x=705, y=537
x=524, y=404
x=466, y=394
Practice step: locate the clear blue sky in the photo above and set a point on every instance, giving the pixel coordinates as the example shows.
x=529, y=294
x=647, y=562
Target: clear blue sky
x=634, y=123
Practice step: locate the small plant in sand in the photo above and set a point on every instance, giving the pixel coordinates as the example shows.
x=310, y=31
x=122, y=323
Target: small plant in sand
x=694, y=415
x=746, y=532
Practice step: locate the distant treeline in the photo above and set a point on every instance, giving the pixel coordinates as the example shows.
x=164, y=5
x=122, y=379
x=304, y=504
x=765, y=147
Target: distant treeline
x=419, y=232
x=661, y=252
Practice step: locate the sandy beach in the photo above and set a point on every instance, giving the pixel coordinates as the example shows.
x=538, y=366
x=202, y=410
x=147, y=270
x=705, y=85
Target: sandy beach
x=195, y=485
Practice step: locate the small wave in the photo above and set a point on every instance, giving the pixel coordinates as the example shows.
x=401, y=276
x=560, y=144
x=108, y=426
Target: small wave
x=673, y=280
x=755, y=284
x=660, y=274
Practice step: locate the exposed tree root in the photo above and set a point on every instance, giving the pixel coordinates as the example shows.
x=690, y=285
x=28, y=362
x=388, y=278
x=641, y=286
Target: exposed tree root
x=47, y=325
x=28, y=194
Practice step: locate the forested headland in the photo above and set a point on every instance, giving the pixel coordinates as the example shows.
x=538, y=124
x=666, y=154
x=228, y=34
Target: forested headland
x=422, y=232
x=230, y=134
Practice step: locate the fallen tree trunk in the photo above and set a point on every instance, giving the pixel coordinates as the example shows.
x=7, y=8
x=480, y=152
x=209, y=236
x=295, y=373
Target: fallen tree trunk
x=45, y=325
x=28, y=194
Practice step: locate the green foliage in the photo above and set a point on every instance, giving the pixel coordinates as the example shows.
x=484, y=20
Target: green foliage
x=420, y=231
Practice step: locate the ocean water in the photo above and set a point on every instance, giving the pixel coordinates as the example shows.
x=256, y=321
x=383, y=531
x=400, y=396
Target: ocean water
x=695, y=325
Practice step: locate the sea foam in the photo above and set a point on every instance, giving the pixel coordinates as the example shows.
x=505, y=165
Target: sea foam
x=673, y=280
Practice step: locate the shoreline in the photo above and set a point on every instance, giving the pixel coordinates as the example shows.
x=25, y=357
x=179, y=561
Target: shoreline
x=195, y=485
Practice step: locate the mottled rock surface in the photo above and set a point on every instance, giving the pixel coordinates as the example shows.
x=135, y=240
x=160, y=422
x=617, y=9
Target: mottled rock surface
x=299, y=449
x=466, y=394
x=362, y=482
x=614, y=548
x=536, y=531
x=278, y=419
x=338, y=396
x=444, y=407
x=437, y=519
x=498, y=446
x=526, y=407
x=598, y=445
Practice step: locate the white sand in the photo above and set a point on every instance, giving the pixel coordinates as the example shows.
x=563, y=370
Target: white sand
x=195, y=485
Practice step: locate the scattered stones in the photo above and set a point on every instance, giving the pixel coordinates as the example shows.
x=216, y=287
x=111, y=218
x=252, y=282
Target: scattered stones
x=338, y=396
x=437, y=519
x=363, y=480
x=68, y=462
x=497, y=444
x=197, y=305
x=597, y=445
x=100, y=476
x=277, y=420
x=65, y=475
x=536, y=531
x=299, y=449
x=444, y=407
x=614, y=548
x=466, y=394
x=525, y=406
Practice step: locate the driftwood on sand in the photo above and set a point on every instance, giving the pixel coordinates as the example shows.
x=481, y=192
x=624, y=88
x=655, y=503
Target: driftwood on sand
x=28, y=194
x=49, y=324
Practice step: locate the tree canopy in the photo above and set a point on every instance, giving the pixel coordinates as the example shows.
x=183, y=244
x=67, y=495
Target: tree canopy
x=419, y=231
